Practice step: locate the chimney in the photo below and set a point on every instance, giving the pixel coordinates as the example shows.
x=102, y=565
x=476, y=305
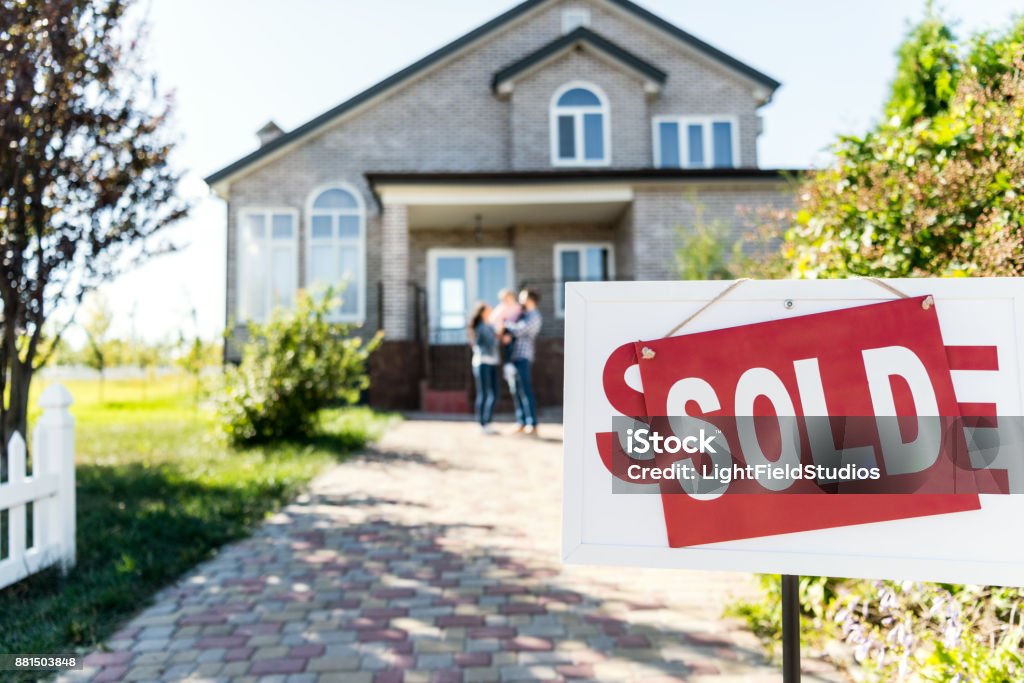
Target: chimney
x=269, y=133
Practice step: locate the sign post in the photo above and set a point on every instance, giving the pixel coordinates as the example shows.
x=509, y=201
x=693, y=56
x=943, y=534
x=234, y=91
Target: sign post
x=790, y=628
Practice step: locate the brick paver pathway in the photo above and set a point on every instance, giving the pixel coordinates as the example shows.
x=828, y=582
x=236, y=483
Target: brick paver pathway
x=433, y=557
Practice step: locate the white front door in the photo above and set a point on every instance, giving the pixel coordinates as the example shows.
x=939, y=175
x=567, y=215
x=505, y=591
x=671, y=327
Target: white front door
x=457, y=279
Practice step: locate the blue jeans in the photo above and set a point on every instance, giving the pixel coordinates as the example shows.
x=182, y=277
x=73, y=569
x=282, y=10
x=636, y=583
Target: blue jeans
x=522, y=393
x=486, y=377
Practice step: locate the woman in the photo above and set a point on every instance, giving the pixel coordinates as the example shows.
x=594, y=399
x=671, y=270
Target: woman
x=484, y=340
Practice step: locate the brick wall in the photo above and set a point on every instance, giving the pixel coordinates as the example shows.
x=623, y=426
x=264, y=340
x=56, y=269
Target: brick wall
x=396, y=368
x=395, y=375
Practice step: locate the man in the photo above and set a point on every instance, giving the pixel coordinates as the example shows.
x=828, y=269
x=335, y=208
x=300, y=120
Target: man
x=524, y=344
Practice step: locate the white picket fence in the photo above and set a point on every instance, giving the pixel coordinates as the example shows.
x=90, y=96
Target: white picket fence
x=50, y=489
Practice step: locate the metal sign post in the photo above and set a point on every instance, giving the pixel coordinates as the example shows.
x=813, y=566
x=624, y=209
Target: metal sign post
x=790, y=628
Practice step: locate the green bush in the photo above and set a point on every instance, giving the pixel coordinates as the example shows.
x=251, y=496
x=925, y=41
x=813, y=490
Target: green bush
x=293, y=366
x=937, y=188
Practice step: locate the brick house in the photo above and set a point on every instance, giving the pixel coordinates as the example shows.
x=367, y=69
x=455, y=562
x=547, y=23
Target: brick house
x=564, y=139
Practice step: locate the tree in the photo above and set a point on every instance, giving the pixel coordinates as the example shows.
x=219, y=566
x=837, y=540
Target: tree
x=195, y=355
x=148, y=356
x=940, y=192
x=85, y=180
x=927, y=71
x=97, y=326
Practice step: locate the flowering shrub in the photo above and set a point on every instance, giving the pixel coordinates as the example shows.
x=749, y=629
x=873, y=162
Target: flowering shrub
x=903, y=631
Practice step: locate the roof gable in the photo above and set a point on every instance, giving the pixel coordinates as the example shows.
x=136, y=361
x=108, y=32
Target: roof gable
x=421, y=66
x=503, y=79
x=694, y=42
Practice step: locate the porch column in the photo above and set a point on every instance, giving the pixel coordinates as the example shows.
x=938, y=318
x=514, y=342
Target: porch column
x=395, y=271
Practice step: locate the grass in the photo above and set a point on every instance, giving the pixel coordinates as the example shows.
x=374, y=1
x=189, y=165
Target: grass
x=159, y=490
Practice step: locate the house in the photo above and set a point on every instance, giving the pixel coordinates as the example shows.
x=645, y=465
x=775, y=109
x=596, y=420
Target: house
x=563, y=140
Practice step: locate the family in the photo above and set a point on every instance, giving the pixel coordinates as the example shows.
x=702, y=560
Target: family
x=506, y=335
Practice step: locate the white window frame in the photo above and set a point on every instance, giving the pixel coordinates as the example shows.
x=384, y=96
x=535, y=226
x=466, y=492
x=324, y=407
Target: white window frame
x=562, y=247
x=470, y=254
x=359, y=317
x=684, y=141
x=554, y=111
x=574, y=18
x=243, y=308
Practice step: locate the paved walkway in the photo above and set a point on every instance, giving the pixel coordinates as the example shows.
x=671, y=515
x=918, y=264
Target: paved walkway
x=433, y=557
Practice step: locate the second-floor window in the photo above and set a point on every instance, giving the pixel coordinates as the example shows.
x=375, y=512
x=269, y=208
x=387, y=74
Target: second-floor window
x=695, y=142
x=579, y=126
x=337, y=249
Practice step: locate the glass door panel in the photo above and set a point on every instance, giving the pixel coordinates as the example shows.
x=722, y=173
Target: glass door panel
x=492, y=277
x=461, y=278
x=451, y=292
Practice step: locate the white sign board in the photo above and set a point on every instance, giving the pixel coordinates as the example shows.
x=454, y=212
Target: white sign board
x=602, y=526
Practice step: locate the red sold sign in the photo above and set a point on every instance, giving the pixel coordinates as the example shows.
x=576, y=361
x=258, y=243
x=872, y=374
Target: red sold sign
x=880, y=360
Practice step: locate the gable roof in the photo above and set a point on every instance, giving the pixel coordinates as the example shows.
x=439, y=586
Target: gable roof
x=585, y=36
x=434, y=57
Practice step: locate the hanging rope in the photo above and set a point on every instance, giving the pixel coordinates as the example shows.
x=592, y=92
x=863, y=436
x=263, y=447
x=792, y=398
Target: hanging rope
x=885, y=285
x=708, y=305
x=926, y=304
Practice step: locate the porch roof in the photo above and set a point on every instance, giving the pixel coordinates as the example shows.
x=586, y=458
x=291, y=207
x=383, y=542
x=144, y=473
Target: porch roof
x=501, y=198
x=416, y=185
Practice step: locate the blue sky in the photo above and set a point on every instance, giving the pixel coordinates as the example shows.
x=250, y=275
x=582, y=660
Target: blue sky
x=234, y=64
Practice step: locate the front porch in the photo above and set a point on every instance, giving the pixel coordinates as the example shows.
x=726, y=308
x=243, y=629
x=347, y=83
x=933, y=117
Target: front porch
x=447, y=247
x=451, y=239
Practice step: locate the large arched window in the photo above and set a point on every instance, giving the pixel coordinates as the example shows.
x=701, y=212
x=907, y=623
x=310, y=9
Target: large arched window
x=336, y=255
x=579, y=126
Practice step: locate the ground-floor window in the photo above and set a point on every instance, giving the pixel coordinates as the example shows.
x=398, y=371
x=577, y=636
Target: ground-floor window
x=337, y=248
x=457, y=279
x=581, y=261
x=268, y=261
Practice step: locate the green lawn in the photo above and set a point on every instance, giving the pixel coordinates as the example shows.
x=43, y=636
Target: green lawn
x=158, y=491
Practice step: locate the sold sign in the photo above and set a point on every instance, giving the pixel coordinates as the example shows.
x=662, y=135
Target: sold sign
x=909, y=388
x=883, y=360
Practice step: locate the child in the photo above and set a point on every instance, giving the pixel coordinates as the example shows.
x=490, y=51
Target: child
x=507, y=311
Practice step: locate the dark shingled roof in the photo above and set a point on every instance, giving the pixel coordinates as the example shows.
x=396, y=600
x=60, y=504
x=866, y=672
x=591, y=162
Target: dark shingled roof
x=579, y=35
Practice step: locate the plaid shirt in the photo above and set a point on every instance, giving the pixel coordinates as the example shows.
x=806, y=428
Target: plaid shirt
x=525, y=330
